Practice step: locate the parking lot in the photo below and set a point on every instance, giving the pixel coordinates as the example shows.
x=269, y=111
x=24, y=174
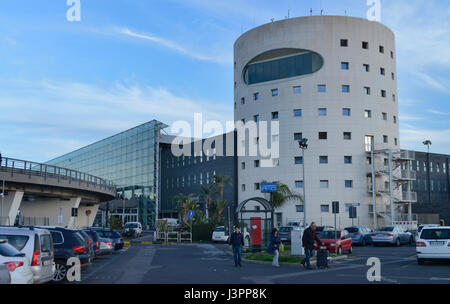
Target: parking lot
x=177, y=264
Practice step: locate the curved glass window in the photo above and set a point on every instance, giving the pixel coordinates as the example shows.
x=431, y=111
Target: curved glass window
x=281, y=64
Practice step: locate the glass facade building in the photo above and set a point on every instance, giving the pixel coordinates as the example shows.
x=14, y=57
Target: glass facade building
x=130, y=160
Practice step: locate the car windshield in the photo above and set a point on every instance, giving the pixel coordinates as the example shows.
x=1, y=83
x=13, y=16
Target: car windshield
x=131, y=225
x=319, y=229
x=220, y=229
x=7, y=250
x=352, y=229
x=285, y=229
x=330, y=235
x=435, y=234
x=17, y=241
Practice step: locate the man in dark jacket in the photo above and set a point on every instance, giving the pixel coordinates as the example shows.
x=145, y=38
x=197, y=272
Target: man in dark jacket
x=236, y=241
x=308, y=239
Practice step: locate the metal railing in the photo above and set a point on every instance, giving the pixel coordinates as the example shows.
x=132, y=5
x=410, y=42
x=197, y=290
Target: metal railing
x=17, y=166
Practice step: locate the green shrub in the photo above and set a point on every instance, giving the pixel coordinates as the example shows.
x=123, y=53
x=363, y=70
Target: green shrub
x=202, y=231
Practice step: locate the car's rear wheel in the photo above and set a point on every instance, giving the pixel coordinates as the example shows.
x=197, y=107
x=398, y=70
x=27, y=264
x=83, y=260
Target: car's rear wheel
x=60, y=274
x=397, y=243
x=363, y=243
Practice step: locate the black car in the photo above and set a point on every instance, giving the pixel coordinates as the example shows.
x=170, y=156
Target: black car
x=96, y=240
x=67, y=243
x=109, y=234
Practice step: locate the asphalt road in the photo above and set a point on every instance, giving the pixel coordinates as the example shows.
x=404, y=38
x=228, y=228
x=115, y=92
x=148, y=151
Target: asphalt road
x=210, y=264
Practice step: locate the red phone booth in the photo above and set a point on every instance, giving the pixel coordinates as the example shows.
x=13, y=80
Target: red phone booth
x=256, y=230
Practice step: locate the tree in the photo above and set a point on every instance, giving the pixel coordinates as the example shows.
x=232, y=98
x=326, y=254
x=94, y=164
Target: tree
x=218, y=210
x=221, y=181
x=185, y=204
x=283, y=195
x=207, y=193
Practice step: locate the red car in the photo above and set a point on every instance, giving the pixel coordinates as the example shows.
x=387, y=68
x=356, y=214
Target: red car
x=343, y=239
x=320, y=229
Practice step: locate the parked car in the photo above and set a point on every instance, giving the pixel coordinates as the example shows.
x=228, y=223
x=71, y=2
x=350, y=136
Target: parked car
x=96, y=239
x=17, y=263
x=361, y=235
x=106, y=246
x=285, y=233
x=219, y=235
x=433, y=243
x=336, y=241
x=68, y=243
x=294, y=224
x=5, y=276
x=133, y=225
x=89, y=245
x=393, y=235
x=37, y=245
x=108, y=233
x=320, y=229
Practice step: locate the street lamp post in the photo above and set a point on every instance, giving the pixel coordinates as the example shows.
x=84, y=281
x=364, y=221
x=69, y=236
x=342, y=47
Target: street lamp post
x=303, y=146
x=428, y=143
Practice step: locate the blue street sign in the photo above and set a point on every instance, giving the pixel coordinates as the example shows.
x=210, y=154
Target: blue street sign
x=191, y=213
x=269, y=188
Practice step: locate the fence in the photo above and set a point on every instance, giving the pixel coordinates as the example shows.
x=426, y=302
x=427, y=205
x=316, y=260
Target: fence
x=176, y=236
x=25, y=221
x=17, y=166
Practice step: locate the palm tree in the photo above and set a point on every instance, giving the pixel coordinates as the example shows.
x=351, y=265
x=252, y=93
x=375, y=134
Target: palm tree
x=207, y=193
x=218, y=210
x=283, y=195
x=185, y=204
x=221, y=181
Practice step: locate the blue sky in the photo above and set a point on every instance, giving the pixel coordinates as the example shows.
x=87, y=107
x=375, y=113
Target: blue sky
x=66, y=84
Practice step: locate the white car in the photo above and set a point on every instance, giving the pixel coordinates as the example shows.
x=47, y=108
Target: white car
x=17, y=263
x=433, y=243
x=133, y=225
x=219, y=235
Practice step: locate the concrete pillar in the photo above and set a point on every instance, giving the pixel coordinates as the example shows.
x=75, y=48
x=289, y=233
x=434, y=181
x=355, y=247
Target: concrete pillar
x=10, y=207
x=83, y=220
x=58, y=211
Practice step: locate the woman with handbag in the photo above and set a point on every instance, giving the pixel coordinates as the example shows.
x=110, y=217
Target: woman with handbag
x=274, y=247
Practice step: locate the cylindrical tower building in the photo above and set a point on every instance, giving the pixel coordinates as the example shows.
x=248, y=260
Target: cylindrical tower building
x=332, y=80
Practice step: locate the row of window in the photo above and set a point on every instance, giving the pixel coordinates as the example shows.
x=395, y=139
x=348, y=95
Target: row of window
x=346, y=112
x=188, y=160
x=187, y=181
x=324, y=184
x=321, y=88
x=325, y=208
x=366, y=68
x=435, y=186
x=365, y=46
x=434, y=167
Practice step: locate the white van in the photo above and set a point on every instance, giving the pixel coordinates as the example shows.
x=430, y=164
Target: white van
x=133, y=225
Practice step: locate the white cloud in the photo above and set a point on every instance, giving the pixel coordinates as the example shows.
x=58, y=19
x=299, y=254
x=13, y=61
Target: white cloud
x=174, y=46
x=436, y=112
x=65, y=116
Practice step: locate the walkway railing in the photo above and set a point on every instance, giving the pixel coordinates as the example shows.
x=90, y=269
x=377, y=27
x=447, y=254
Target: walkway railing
x=17, y=166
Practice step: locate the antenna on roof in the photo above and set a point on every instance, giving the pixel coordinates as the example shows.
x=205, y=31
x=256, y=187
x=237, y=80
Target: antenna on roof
x=321, y=12
x=310, y=11
x=272, y=19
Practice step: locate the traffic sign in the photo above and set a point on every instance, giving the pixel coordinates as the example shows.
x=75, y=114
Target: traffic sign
x=352, y=211
x=335, y=207
x=191, y=213
x=269, y=188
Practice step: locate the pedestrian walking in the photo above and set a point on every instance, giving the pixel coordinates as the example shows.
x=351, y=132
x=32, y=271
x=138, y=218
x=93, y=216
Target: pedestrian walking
x=274, y=247
x=236, y=242
x=308, y=239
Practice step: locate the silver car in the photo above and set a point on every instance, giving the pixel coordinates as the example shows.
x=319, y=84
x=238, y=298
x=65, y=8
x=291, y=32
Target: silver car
x=106, y=246
x=37, y=245
x=393, y=235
